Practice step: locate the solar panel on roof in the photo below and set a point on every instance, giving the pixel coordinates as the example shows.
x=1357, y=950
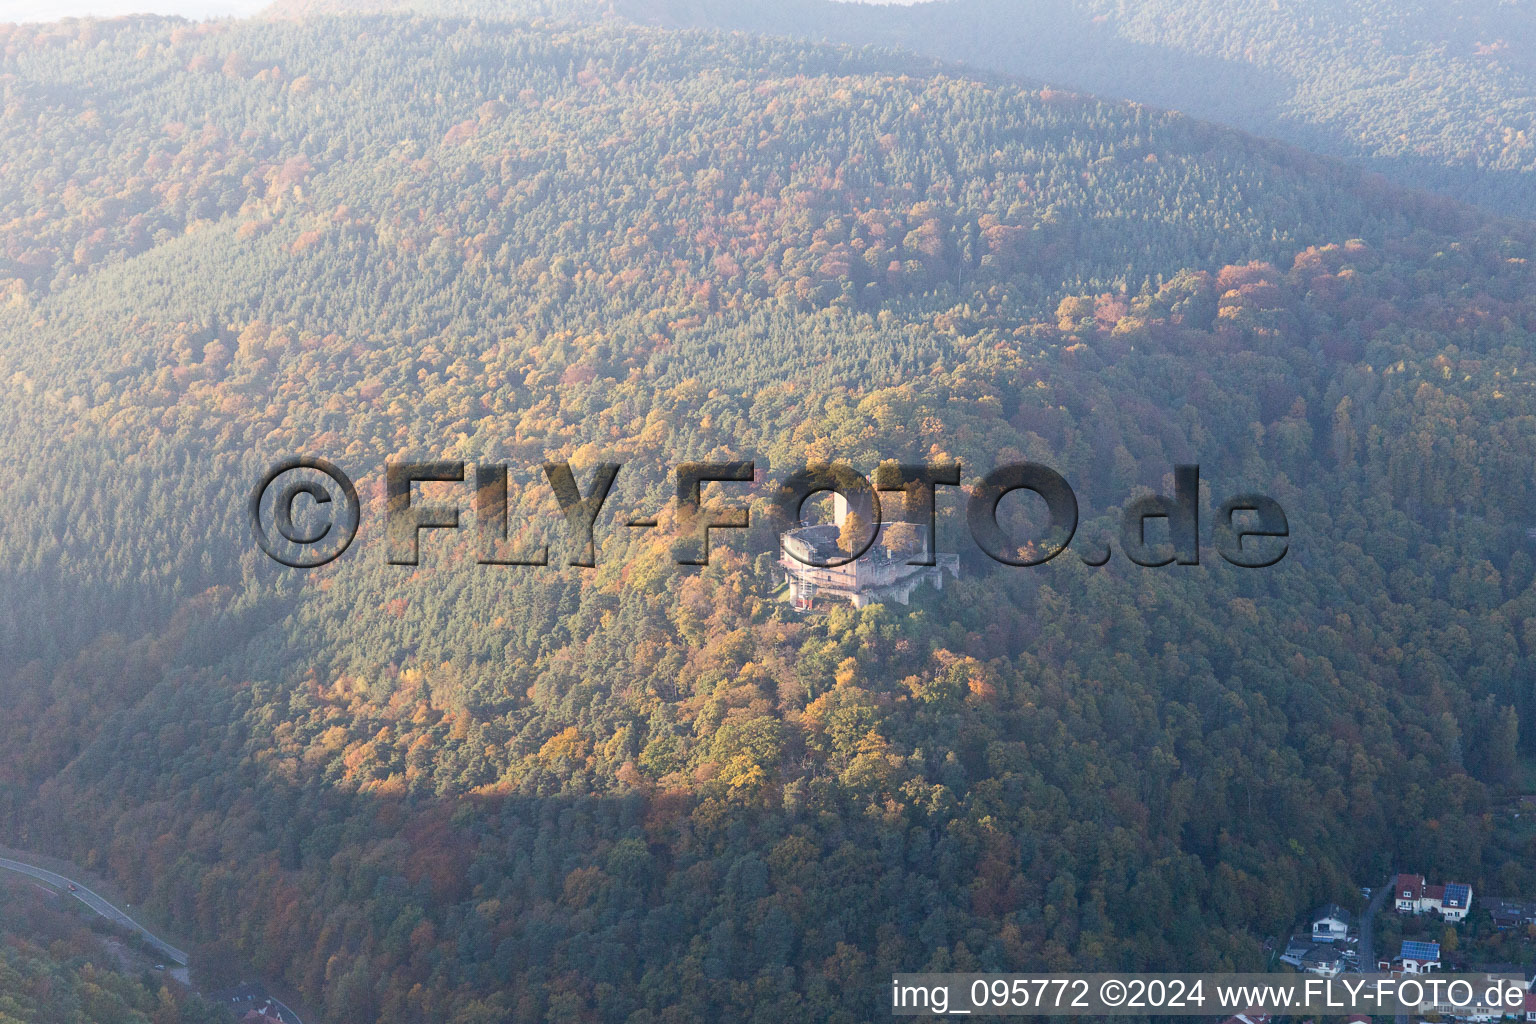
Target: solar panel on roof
x=1457, y=895
x=1420, y=950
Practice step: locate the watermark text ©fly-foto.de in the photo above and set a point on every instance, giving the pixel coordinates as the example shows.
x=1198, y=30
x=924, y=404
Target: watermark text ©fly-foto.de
x=305, y=512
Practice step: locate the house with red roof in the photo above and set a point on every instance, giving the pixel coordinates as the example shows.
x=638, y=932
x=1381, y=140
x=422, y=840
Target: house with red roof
x=1412, y=895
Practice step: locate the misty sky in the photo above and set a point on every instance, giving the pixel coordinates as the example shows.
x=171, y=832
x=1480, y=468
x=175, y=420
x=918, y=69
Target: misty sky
x=51, y=10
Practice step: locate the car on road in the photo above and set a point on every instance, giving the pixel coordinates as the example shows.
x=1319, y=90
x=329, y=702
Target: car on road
x=159, y=967
x=72, y=887
x=1365, y=891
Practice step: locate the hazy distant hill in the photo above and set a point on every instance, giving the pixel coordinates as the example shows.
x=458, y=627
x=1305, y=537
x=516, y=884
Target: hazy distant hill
x=642, y=793
x=1440, y=95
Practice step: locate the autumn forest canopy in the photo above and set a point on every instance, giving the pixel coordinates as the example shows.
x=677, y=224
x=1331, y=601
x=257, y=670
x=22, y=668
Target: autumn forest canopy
x=647, y=793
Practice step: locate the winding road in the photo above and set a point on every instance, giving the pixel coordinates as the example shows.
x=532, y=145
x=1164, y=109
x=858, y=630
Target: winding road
x=101, y=906
x=107, y=910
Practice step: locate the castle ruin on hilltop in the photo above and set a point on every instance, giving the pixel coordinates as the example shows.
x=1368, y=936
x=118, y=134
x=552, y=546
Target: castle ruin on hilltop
x=884, y=572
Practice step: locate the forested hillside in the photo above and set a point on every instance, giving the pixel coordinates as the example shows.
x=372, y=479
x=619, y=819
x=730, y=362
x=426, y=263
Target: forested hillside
x=640, y=792
x=1438, y=94
x=229, y=216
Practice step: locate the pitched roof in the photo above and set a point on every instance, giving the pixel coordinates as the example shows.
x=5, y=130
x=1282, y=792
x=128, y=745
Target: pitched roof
x=1457, y=895
x=1332, y=910
x=1421, y=951
x=1411, y=884
x=1517, y=909
x=1322, y=954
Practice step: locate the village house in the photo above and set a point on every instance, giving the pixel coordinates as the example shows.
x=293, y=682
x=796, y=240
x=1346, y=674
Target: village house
x=1323, y=959
x=1295, y=949
x=1451, y=901
x=1330, y=923
x=1468, y=1015
x=1509, y=914
x=1414, y=958
x=1525, y=1012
